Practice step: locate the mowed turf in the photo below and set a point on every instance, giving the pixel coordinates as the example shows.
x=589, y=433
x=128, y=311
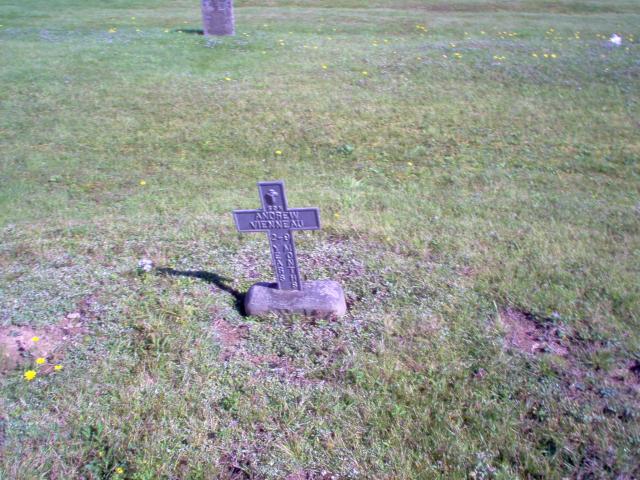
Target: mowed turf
x=477, y=169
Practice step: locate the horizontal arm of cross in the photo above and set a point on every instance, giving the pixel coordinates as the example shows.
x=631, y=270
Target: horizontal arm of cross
x=263, y=220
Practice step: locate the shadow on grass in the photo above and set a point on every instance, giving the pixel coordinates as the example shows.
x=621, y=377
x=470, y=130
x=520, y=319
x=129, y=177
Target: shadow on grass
x=192, y=31
x=209, y=277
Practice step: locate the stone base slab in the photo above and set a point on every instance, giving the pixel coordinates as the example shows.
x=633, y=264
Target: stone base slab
x=318, y=299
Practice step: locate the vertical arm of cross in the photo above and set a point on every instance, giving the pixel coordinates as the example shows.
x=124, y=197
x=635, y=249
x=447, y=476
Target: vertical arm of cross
x=284, y=260
x=283, y=252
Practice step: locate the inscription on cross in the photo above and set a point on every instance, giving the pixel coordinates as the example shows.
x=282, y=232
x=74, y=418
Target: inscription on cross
x=279, y=221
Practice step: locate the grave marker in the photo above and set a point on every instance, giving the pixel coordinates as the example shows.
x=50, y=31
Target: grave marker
x=217, y=17
x=289, y=294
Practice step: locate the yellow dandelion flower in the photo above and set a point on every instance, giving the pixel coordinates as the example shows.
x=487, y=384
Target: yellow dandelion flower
x=278, y=152
x=30, y=375
x=410, y=164
x=534, y=55
x=119, y=470
x=365, y=73
x=553, y=55
x=143, y=183
x=57, y=368
x=337, y=215
x=113, y=30
x=227, y=79
x=40, y=361
x=35, y=339
x=324, y=67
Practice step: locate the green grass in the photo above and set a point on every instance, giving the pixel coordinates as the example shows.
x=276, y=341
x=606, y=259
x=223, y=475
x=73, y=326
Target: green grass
x=453, y=186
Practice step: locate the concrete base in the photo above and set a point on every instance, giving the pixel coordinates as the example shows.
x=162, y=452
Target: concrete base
x=318, y=299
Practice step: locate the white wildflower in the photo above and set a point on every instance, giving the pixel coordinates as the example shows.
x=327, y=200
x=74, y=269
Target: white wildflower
x=146, y=265
x=616, y=39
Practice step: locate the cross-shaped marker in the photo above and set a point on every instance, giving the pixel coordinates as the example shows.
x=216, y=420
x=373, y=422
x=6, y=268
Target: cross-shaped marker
x=279, y=221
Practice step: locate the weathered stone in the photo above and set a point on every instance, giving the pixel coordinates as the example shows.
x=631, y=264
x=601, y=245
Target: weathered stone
x=217, y=17
x=318, y=298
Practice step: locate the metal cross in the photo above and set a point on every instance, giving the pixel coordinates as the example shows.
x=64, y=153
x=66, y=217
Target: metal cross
x=279, y=221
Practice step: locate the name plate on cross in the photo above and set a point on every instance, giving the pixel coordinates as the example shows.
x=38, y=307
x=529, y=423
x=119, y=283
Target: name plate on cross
x=317, y=298
x=279, y=221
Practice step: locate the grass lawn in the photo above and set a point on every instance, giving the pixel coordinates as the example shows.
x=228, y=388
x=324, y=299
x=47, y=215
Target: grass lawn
x=477, y=169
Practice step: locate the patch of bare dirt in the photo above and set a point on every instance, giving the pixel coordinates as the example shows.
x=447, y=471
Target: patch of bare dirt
x=23, y=344
x=235, y=467
x=244, y=460
x=592, y=377
x=526, y=334
x=282, y=367
x=467, y=271
x=583, y=382
x=232, y=340
x=627, y=375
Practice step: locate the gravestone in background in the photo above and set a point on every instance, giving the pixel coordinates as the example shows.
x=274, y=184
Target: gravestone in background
x=217, y=17
x=318, y=298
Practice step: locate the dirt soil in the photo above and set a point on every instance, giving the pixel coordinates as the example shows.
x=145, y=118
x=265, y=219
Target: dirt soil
x=233, y=346
x=536, y=337
x=20, y=345
x=529, y=336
